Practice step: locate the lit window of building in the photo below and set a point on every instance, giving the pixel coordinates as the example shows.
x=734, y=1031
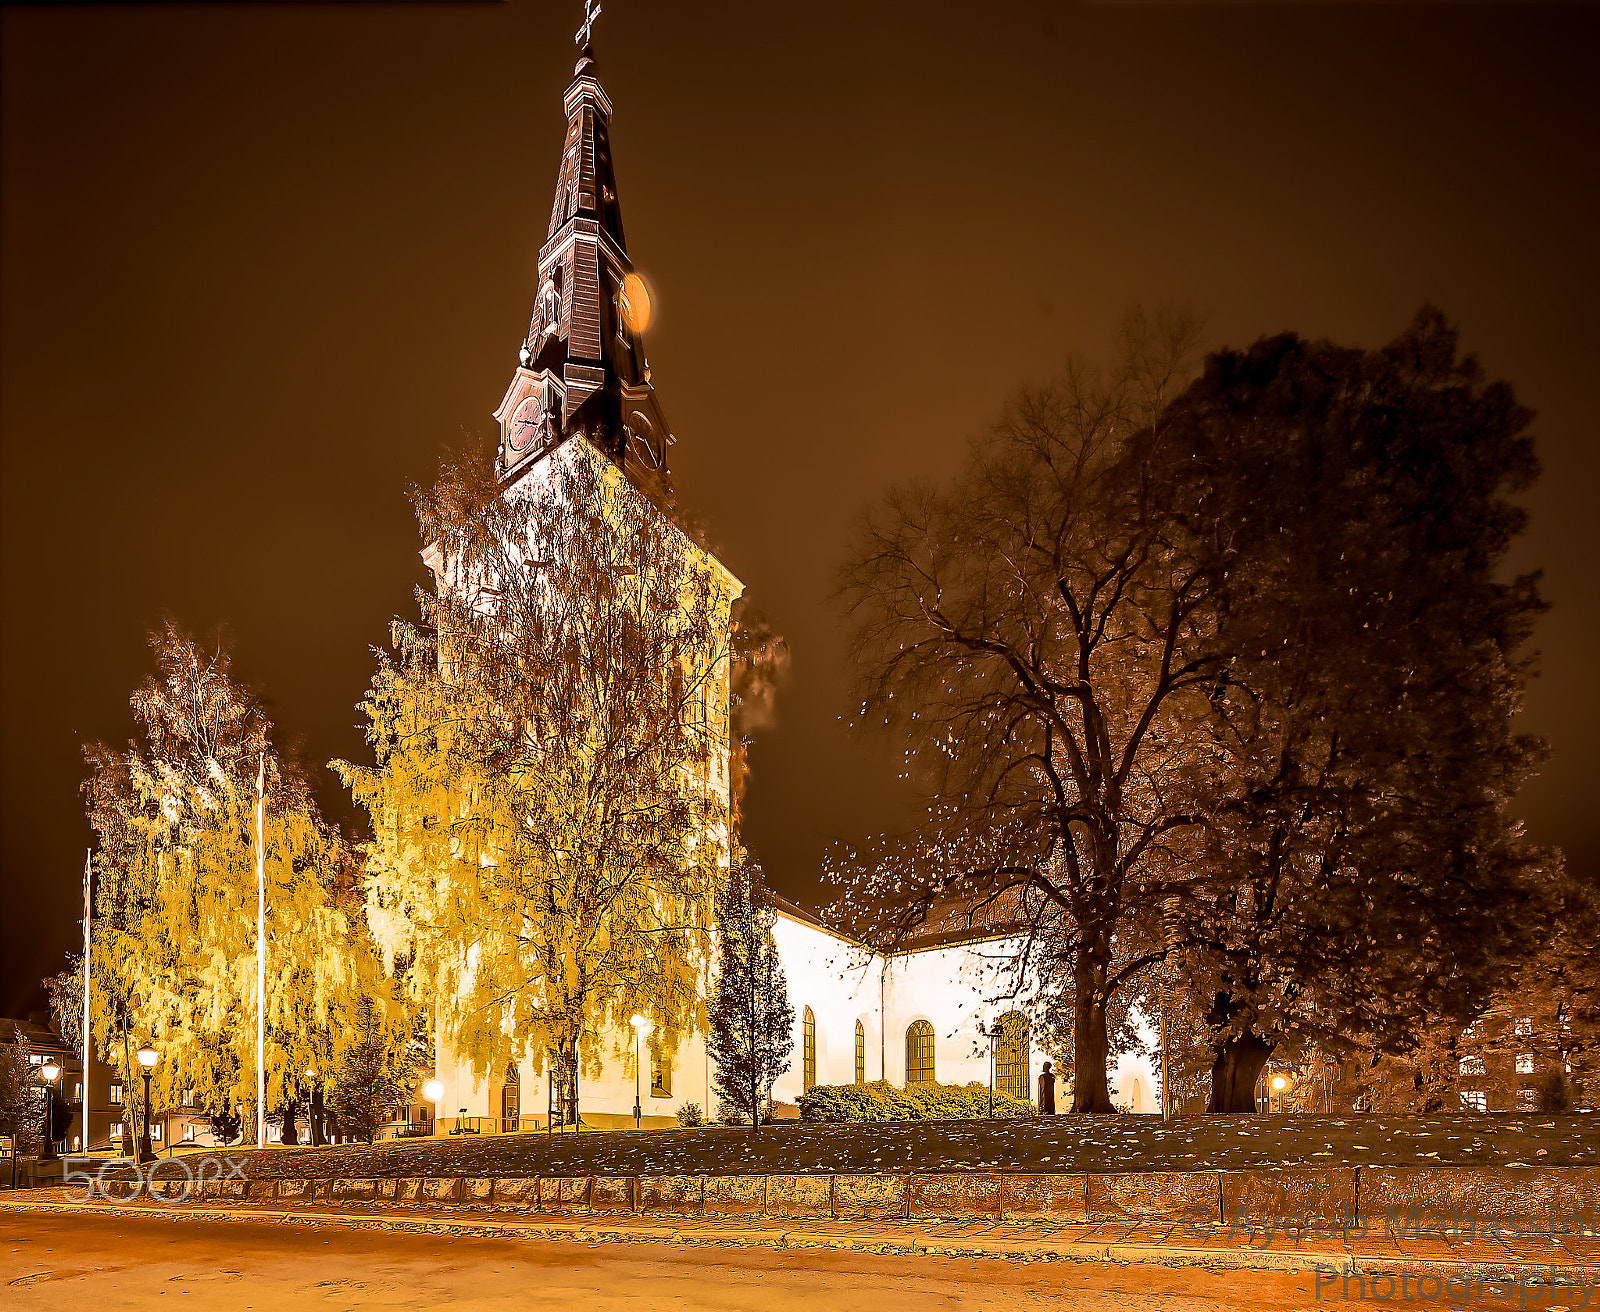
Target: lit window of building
x=1524, y=1063
x=919, y=1053
x=1525, y=1026
x=808, y=1050
x=1525, y=1100
x=187, y=1098
x=1472, y=1065
x=188, y=1133
x=1475, y=1102
x=116, y=1095
x=1011, y=1055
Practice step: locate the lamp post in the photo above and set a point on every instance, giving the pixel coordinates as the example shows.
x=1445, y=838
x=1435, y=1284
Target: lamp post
x=993, y=1033
x=433, y=1091
x=49, y=1071
x=315, y=1111
x=641, y=1027
x=148, y=1057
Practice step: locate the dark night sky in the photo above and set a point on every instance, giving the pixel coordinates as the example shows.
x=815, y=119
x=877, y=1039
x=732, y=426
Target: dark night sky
x=260, y=263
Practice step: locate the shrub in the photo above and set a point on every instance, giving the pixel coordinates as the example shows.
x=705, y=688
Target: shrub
x=728, y=1114
x=882, y=1101
x=691, y=1115
x=1553, y=1091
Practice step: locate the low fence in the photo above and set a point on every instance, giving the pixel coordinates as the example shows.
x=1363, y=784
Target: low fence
x=1319, y=1199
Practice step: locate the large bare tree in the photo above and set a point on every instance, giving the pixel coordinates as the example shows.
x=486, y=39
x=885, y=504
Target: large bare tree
x=1041, y=634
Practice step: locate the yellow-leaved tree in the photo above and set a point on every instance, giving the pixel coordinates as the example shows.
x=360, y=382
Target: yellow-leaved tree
x=549, y=800
x=174, y=939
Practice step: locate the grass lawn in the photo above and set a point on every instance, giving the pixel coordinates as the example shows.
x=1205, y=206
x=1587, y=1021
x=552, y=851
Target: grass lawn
x=1099, y=1144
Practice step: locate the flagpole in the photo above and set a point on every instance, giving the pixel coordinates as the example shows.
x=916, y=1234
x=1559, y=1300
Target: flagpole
x=83, y=1089
x=261, y=961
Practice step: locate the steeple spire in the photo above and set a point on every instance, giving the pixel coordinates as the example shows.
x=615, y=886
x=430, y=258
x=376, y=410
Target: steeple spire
x=581, y=366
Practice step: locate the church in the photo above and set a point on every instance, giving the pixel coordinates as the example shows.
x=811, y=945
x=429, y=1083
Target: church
x=583, y=385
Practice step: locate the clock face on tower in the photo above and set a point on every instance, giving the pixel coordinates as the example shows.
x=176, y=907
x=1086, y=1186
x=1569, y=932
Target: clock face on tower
x=527, y=421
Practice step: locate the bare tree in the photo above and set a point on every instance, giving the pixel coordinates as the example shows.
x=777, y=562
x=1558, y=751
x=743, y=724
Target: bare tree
x=1040, y=633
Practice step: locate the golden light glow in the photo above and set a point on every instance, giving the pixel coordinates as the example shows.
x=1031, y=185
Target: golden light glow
x=634, y=303
x=433, y=1090
x=1279, y=1083
x=148, y=1056
x=641, y=1024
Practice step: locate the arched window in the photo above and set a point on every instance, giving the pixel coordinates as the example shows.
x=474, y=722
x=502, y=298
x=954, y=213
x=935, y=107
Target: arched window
x=861, y=1053
x=1011, y=1055
x=808, y=1051
x=919, y=1053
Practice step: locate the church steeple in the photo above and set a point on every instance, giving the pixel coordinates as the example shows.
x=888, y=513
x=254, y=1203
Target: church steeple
x=581, y=367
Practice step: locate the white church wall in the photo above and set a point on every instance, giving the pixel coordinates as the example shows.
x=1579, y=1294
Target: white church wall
x=953, y=988
x=839, y=982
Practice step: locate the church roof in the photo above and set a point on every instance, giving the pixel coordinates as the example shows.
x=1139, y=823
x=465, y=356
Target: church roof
x=948, y=922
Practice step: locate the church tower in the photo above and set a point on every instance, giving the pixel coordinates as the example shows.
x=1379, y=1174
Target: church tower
x=581, y=367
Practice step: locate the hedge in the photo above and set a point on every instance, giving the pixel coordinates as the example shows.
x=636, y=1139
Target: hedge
x=882, y=1101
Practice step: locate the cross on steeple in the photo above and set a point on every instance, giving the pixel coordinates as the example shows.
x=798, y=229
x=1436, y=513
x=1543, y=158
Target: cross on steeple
x=591, y=11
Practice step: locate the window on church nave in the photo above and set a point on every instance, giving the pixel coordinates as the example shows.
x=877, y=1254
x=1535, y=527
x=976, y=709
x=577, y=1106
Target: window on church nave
x=919, y=1053
x=861, y=1053
x=1011, y=1055
x=808, y=1051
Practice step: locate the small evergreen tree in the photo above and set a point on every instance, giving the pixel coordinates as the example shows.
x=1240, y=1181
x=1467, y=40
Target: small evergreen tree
x=373, y=1078
x=752, y=1023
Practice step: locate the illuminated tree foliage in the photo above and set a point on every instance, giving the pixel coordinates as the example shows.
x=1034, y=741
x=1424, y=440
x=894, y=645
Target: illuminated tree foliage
x=22, y=1092
x=1358, y=879
x=173, y=945
x=549, y=838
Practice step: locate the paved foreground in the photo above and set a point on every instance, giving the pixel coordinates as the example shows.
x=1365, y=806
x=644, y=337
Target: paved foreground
x=82, y=1260
x=1042, y=1145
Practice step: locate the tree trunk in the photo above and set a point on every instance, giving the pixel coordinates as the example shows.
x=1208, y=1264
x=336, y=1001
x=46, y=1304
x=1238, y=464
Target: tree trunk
x=1091, y=1046
x=290, y=1134
x=319, y=1134
x=1235, y=1071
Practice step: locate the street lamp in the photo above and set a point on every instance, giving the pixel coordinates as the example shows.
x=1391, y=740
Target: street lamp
x=1279, y=1084
x=49, y=1070
x=641, y=1027
x=433, y=1091
x=148, y=1057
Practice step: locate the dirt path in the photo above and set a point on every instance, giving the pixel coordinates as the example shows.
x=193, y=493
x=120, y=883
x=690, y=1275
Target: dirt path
x=95, y=1263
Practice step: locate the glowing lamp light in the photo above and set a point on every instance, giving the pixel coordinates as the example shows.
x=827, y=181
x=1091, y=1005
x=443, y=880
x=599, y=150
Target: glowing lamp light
x=641, y=1024
x=148, y=1056
x=311, y=1072
x=50, y=1070
x=634, y=303
x=1279, y=1083
x=433, y=1090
